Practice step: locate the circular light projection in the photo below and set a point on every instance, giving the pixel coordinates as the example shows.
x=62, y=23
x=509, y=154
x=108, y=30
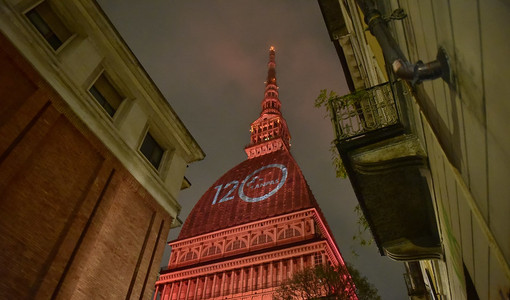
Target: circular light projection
x=252, y=177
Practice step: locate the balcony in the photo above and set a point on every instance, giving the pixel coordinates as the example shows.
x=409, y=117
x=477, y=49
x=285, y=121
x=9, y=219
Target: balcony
x=364, y=112
x=416, y=288
x=388, y=169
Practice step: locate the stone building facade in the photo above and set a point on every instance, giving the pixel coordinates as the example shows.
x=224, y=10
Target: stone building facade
x=442, y=63
x=255, y=226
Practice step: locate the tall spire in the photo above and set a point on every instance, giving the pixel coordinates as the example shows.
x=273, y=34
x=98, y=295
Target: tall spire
x=271, y=104
x=269, y=132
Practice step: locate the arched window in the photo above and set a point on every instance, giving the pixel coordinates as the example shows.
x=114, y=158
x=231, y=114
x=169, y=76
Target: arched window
x=189, y=256
x=262, y=239
x=237, y=244
x=288, y=233
x=211, y=251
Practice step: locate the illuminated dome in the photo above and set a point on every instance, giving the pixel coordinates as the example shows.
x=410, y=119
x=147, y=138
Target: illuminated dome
x=269, y=183
x=255, y=226
x=258, y=188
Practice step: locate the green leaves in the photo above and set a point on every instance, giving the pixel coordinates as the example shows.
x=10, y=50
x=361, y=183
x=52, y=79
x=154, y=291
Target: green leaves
x=364, y=289
x=326, y=99
x=362, y=232
x=331, y=99
x=319, y=282
x=327, y=282
x=337, y=162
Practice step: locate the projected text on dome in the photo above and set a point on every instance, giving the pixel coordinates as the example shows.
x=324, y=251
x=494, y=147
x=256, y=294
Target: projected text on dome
x=257, y=186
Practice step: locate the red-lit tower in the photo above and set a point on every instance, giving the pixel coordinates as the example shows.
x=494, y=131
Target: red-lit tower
x=269, y=132
x=255, y=226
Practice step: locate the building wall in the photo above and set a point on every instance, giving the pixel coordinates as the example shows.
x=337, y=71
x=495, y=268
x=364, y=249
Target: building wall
x=74, y=221
x=92, y=49
x=257, y=268
x=463, y=127
x=83, y=213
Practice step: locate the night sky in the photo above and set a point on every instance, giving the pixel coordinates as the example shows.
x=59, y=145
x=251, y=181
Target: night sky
x=209, y=59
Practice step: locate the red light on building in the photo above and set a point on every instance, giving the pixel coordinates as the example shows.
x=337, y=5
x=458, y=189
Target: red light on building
x=255, y=226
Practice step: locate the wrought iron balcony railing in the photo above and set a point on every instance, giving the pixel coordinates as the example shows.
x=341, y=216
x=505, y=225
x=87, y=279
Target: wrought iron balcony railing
x=385, y=163
x=364, y=111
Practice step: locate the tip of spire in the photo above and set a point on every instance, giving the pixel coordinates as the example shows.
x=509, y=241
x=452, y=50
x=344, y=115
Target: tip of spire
x=271, y=48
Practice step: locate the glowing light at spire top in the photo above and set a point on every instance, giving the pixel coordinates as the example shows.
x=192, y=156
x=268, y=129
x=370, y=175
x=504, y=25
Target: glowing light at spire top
x=271, y=48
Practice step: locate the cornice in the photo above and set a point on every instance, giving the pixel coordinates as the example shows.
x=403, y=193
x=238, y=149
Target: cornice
x=242, y=228
x=329, y=237
x=244, y=262
x=46, y=61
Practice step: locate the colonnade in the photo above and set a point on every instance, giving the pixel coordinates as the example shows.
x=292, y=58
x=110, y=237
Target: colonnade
x=235, y=281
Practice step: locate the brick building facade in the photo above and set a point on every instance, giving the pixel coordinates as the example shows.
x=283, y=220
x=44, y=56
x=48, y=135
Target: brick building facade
x=84, y=211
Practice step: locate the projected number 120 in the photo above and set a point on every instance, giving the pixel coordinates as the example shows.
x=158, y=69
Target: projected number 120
x=251, y=183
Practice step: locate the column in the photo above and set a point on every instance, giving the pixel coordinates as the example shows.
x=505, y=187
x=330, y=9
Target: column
x=265, y=274
x=291, y=263
x=250, y=279
x=301, y=262
x=270, y=270
x=179, y=291
x=188, y=285
x=171, y=292
x=213, y=285
x=242, y=281
x=285, y=269
x=233, y=281
x=205, y=287
x=157, y=291
x=196, y=288
x=280, y=271
x=230, y=282
x=222, y=284
x=261, y=276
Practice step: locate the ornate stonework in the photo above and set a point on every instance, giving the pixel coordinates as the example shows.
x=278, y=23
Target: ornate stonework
x=255, y=226
x=269, y=132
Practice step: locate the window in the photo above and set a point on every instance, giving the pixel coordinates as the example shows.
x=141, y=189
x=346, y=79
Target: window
x=237, y=244
x=262, y=239
x=189, y=256
x=211, y=251
x=288, y=233
x=48, y=24
x=152, y=150
x=106, y=95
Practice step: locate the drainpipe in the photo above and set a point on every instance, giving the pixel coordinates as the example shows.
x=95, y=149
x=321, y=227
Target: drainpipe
x=415, y=73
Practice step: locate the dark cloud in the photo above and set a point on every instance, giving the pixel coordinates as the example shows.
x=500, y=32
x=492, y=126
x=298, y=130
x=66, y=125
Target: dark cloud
x=209, y=60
